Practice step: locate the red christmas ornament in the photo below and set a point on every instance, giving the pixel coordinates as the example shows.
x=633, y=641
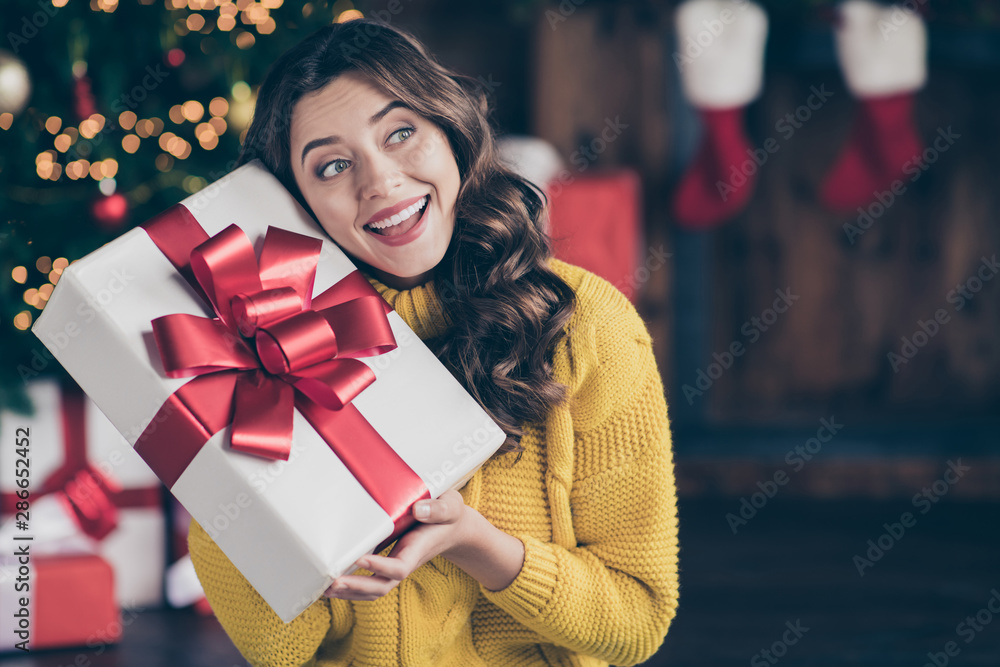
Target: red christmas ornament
x=83, y=98
x=175, y=57
x=110, y=212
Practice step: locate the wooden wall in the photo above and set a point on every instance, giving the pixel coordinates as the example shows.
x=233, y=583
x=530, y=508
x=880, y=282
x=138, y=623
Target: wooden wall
x=857, y=301
x=603, y=62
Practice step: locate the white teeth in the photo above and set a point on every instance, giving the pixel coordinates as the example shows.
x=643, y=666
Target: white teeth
x=399, y=217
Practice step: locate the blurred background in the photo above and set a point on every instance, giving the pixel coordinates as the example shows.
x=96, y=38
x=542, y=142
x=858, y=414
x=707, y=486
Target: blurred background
x=798, y=197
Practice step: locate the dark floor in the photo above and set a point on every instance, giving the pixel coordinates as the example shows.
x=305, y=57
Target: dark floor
x=791, y=564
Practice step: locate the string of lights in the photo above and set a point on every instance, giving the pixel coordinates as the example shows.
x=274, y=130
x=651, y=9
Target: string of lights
x=123, y=108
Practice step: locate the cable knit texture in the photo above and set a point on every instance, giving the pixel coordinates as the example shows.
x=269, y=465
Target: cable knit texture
x=592, y=499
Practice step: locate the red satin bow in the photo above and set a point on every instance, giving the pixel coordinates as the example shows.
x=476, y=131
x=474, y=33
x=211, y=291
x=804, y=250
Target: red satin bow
x=90, y=497
x=295, y=346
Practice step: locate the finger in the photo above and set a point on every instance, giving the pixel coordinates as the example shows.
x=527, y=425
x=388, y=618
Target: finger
x=392, y=566
x=446, y=509
x=360, y=588
x=418, y=546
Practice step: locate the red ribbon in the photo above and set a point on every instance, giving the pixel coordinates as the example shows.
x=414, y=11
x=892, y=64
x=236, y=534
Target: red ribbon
x=303, y=356
x=89, y=495
x=92, y=498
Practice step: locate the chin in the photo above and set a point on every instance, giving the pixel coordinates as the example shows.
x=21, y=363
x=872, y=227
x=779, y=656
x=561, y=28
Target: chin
x=413, y=268
x=390, y=274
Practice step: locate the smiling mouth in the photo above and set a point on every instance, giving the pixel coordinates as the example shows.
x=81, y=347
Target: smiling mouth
x=400, y=223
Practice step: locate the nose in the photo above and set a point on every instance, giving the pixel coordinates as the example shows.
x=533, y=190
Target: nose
x=380, y=176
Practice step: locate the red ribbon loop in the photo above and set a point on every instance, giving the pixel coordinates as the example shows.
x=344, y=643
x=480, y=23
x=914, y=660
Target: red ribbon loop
x=192, y=345
x=258, y=310
x=225, y=265
x=296, y=343
x=290, y=260
x=352, y=340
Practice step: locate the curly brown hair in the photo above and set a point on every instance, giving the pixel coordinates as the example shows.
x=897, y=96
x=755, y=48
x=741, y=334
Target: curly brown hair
x=508, y=309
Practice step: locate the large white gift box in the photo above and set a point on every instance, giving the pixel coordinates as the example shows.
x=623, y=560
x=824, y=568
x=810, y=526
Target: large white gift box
x=290, y=526
x=68, y=436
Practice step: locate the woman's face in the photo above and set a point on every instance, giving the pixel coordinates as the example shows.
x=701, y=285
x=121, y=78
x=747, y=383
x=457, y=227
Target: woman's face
x=381, y=179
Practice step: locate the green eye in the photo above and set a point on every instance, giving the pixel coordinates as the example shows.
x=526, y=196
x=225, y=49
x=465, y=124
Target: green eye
x=337, y=167
x=408, y=131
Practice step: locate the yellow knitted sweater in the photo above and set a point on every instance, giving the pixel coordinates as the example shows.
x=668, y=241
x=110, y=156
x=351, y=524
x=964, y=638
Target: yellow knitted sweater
x=592, y=499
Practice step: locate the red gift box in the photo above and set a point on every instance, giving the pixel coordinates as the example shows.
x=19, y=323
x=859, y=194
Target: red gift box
x=70, y=602
x=595, y=222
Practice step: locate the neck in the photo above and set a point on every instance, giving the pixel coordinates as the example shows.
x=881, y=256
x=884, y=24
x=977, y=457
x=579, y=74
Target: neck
x=419, y=306
x=400, y=282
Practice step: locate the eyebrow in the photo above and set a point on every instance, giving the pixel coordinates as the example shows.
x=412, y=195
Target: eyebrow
x=334, y=139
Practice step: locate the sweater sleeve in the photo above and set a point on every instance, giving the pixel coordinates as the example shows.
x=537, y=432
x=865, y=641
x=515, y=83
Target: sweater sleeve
x=612, y=595
x=261, y=637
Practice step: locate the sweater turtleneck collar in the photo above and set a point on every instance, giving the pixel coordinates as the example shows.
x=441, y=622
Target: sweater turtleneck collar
x=419, y=307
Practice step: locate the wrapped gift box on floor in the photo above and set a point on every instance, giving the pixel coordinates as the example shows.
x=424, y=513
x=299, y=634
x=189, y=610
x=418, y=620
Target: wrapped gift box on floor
x=218, y=439
x=73, y=445
x=595, y=222
x=70, y=602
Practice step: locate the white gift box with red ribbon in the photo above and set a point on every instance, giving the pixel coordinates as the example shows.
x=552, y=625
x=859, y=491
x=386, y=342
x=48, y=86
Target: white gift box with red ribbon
x=89, y=492
x=290, y=526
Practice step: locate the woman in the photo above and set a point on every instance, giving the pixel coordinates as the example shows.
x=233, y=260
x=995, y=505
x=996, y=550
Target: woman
x=562, y=549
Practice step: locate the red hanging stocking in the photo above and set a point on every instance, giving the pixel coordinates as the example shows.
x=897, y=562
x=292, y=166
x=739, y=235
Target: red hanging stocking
x=720, y=57
x=883, y=55
x=717, y=186
x=883, y=146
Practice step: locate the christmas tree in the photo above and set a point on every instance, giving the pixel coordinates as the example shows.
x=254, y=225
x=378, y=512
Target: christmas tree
x=111, y=112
